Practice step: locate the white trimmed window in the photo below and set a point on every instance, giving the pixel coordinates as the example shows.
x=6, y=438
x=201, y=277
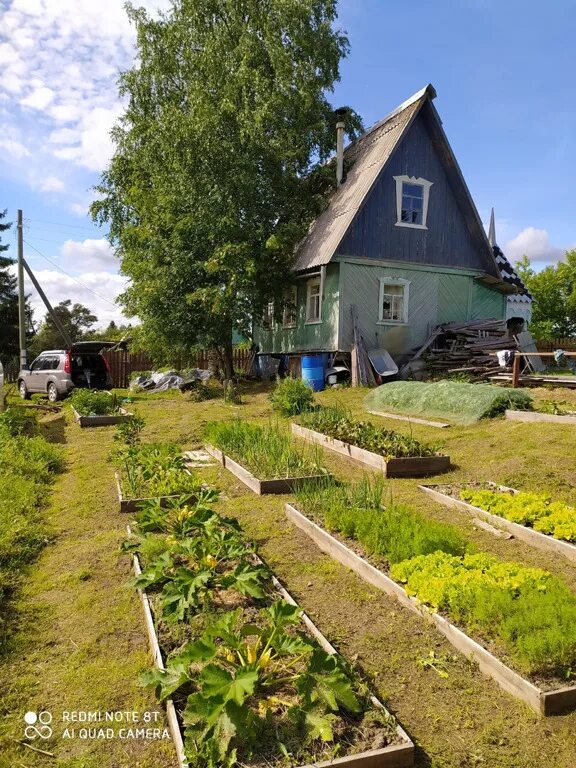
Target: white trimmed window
x=268, y=316
x=313, y=301
x=290, y=312
x=393, y=301
x=412, y=196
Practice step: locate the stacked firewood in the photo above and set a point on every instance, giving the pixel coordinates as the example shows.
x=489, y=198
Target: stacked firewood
x=465, y=347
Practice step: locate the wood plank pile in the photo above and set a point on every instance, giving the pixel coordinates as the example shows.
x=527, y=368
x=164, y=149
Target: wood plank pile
x=464, y=347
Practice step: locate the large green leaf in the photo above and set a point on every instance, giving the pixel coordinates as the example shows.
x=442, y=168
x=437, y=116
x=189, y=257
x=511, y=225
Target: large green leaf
x=319, y=726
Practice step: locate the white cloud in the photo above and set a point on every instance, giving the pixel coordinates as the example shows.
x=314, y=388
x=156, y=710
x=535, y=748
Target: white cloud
x=14, y=148
x=534, y=243
x=39, y=98
x=59, y=287
x=61, y=59
x=52, y=184
x=78, y=209
x=88, y=255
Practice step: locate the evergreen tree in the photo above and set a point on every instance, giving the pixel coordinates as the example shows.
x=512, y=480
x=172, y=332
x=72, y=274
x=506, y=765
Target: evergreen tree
x=9, y=348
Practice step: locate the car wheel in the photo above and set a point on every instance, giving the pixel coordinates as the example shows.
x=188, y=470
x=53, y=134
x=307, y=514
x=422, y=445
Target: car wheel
x=24, y=394
x=52, y=392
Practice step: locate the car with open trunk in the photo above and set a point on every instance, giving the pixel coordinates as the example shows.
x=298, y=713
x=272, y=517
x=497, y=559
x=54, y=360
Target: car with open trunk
x=56, y=372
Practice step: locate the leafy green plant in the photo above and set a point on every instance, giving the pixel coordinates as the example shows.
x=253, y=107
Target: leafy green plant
x=267, y=451
x=91, y=402
x=153, y=470
x=394, y=532
x=528, y=610
x=19, y=420
x=291, y=397
x=535, y=510
x=128, y=433
x=552, y=407
x=339, y=424
x=250, y=674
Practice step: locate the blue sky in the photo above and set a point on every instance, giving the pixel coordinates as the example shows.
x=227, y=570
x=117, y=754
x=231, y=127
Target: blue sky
x=504, y=73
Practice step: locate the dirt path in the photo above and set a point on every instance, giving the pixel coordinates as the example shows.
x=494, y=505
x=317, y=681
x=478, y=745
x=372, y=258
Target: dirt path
x=81, y=639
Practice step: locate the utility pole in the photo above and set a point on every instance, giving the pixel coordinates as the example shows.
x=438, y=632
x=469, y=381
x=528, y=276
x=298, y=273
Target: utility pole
x=21, y=296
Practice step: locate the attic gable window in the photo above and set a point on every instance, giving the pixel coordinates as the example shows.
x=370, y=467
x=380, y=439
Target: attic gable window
x=412, y=195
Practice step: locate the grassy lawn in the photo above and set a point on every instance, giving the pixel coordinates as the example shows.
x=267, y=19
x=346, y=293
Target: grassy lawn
x=81, y=638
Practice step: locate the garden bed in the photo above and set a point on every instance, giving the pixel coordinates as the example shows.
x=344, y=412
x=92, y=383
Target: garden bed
x=544, y=702
x=276, y=485
x=132, y=505
x=409, y=466
x=201, y=663
x=449, y=495
x=101, y=420
x=531, y=416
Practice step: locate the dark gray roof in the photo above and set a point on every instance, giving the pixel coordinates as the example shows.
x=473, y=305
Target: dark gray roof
x=369, y=153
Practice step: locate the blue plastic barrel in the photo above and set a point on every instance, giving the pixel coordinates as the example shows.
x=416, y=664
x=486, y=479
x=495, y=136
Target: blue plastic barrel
x=313, y=371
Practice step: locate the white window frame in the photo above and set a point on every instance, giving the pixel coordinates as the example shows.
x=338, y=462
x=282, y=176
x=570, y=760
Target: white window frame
x=268, y=322
x=425, y=184
x=291, y=309
x=406, y=298
x=312, y=320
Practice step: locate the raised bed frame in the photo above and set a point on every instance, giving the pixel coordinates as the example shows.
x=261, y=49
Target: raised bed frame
x=543, y=702
x=103, y=420
x=130, y=506
x=414, y=466
x=412, y=419
x=536, y=416
x=529, y=535
x=280, y=485
x=393, y=756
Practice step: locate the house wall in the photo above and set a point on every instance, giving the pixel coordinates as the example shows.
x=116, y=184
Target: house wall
x=447, y=241
x=306, y=337
x=436, y=295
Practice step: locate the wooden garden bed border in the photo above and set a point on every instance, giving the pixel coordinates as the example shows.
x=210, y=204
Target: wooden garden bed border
x=415, y=466
x=529, y=535
x=393, y=756
x=536, y=416
x=280, y=485
x=413, y=419
x=105, y=420
x=543, y=702
x=130, y=506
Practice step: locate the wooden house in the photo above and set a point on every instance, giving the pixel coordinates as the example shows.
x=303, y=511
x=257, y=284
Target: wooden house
x=401, y=241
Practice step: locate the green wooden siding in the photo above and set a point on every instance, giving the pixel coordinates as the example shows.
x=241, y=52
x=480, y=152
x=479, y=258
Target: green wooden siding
x=487, y=303
x=435, y=296
x=306, y=337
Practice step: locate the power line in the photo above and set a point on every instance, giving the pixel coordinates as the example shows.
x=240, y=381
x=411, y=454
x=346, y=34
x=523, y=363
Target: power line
x=59, y=224
x=58, y=267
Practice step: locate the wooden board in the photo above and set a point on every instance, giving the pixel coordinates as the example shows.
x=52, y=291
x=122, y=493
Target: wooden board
x=102, y=421
x=399, y=755
x=529, y=416
x=131, y=506
x=261, y=487
x=413, y=419
x=528, y=535
x=416, y=466
x=545, y=703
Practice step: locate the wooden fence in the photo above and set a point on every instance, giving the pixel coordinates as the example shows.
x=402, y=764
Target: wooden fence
x=568, y=345
x=123, y=364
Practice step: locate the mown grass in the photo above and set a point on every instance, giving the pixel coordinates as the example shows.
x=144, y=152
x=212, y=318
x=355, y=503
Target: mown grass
x=462, y=721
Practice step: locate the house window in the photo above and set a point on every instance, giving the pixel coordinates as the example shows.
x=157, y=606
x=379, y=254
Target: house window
x=412, y=197
x=290, y=313
x=268, y=316
x=393, y=301
x=313, y=302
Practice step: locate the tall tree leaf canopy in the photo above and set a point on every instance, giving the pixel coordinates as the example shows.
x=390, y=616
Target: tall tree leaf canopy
x=218, y=169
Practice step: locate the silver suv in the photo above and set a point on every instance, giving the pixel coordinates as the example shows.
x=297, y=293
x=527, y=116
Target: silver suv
x=57, y=372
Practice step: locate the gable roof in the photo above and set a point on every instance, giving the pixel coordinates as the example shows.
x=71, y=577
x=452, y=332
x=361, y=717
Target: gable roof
x=369, y=154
